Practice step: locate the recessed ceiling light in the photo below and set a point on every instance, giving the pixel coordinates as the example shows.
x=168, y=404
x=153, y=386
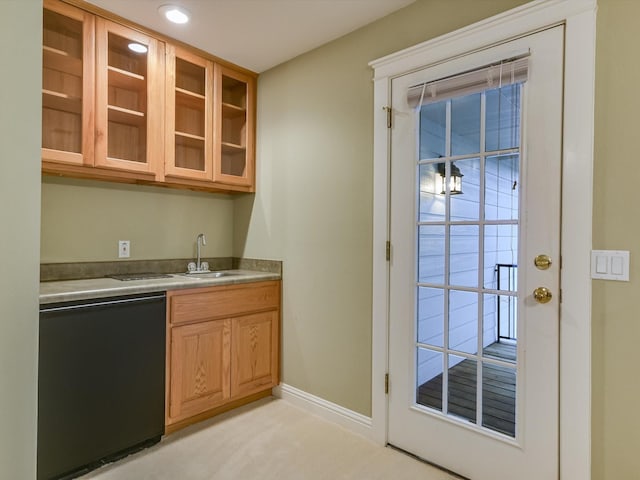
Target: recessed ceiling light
x=174, y=14
x=137, y=47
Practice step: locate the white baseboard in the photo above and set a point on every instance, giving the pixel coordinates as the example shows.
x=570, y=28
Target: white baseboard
x=352, y=421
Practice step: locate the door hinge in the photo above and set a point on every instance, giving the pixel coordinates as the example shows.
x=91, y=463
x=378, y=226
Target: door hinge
x=388, y=252
x=386, y=383
x=389, y=110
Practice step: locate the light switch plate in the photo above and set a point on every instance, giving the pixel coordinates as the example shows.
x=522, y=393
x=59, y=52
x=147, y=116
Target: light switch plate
x=610, y=265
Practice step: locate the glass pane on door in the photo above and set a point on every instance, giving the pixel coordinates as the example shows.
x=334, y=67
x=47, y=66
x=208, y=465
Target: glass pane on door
x=467, y=233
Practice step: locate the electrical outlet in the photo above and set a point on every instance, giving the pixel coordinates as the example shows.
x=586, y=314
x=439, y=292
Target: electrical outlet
x=124, y=249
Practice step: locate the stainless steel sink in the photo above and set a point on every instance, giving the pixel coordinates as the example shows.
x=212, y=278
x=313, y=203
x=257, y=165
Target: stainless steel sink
x=126, y=277
x=204, y=275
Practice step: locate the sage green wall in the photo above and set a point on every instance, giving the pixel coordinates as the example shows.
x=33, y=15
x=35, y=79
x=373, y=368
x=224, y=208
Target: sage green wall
x=20, y=87
x=616, y=326
x=83, y=220
x=313, y=209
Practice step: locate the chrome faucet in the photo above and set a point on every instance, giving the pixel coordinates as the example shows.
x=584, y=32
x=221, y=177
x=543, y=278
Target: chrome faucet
x=201, y=240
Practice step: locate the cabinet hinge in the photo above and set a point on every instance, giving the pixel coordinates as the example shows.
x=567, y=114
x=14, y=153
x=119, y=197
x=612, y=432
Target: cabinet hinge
x=386, y=383
x=388, y=252
x=389, y=111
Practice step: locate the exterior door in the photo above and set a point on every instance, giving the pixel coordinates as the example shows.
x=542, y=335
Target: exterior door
x=475, y=217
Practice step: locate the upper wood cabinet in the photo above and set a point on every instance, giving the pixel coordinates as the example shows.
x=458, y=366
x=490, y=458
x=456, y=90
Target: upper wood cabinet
x=235, y=128
x=67, y=84
x=129, y=99
x=189, y=107
x=121, y=104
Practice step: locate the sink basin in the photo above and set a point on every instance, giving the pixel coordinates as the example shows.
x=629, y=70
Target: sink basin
x=203, y=275
x=126, y=277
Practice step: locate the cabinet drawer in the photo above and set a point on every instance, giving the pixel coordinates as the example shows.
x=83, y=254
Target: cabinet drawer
x=222, y=302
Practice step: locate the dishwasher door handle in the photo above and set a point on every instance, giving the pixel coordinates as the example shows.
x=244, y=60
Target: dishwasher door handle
x=108, y=303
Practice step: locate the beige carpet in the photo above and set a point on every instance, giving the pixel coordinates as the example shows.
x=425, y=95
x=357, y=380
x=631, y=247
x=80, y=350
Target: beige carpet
x=268, y=440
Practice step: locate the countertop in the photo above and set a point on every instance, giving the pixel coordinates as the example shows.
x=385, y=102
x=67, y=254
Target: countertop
x=73, y=290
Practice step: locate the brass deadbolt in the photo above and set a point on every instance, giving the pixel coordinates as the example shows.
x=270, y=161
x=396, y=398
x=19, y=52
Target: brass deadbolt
x=542, y=262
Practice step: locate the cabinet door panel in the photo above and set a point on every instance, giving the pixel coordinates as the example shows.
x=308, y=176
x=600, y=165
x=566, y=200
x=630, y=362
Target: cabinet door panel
x=234, y=154
x=254, y=353
x=68, y=44
x=189, y=103
x=200, y=356
x=129, y=100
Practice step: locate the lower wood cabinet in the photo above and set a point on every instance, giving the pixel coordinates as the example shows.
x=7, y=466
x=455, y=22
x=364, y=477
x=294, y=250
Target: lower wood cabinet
x=222, y=348
x=253, y=363
x=200, y=367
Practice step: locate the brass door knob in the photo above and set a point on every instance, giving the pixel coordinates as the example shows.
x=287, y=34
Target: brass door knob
x=542, y=295
x=542, y=262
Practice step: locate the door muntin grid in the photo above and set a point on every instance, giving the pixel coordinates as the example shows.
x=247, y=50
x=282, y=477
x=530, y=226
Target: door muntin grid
x=464, y=370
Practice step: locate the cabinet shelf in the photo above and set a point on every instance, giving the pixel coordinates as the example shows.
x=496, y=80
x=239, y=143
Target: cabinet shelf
x=61, y=101
x=189, y=93
x=126, y=80
x=60, y=60
x=190, y=100
x=126, y=116
x=232, y=148
x=232, y=111
x=189, y=136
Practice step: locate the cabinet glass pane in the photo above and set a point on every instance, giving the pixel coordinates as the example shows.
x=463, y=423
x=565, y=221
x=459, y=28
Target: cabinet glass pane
x=122, y=57
x=190, y=153
x=127, y=101
x=190, y=115
x=190, y=77
x=61, y=83
x=234, y=125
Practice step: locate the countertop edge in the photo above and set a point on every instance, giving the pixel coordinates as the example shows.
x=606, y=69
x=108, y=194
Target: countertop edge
x=76, y=290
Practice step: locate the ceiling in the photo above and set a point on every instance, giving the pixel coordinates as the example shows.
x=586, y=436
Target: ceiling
x=257, y=34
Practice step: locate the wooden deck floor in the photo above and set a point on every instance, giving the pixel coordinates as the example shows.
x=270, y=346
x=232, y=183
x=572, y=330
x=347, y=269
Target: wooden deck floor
x=498, y=391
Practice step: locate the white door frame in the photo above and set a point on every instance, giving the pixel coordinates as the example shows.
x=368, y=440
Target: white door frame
x=579, y=17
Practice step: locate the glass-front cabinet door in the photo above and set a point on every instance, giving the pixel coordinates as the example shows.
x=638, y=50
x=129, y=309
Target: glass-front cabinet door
x=234, y=127
x=129, y=99
x=189, y=139
x=67, y=84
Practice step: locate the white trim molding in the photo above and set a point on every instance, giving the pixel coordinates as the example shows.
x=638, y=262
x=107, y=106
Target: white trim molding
x=579, y=18
x=352, y=421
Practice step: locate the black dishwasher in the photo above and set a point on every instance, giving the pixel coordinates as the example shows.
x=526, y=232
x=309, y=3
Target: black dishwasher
x=101, y=374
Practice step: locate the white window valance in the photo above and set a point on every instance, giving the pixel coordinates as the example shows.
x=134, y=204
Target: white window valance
x=506, y=72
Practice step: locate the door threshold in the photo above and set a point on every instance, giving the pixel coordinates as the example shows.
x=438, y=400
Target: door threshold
x=439, y=467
